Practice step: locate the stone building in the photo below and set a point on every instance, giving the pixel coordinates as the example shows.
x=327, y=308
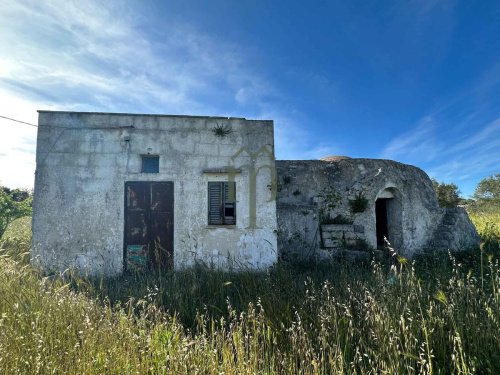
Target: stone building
x=117, y=192
x=122, y=191
x=344, y=206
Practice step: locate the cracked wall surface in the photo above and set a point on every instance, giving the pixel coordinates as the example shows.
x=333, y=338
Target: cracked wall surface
x=84, y=160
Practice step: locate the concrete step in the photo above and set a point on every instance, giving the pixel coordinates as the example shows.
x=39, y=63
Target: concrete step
x=331, y=243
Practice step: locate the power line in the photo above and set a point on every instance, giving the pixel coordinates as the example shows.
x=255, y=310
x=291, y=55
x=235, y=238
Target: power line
x=101, y=127
x=22, y=122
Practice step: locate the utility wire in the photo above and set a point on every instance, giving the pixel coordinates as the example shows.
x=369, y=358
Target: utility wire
x=103, y=127
x=22, y=122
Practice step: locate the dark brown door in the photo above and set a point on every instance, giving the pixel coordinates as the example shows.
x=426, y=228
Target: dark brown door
x=149, y=226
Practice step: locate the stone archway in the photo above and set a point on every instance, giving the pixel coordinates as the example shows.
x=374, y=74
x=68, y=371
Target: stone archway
x=389, y=218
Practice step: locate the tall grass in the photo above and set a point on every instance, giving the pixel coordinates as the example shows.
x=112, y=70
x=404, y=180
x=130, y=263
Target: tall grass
x=488, y=227
x=16, y=240
x=434, y=315
x=332, y=319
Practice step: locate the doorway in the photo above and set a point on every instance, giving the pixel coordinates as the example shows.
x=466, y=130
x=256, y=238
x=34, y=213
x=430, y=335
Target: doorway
x=389, y=218
x=381, y=221
x=149, y=226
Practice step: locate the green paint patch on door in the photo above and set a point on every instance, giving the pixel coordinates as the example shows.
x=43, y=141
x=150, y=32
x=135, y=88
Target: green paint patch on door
x=137, y=258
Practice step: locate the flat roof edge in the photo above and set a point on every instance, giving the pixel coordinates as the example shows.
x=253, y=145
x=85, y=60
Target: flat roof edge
x=149, y=114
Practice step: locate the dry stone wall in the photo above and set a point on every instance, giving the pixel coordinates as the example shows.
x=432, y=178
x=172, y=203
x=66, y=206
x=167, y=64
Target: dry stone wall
x=324, y=206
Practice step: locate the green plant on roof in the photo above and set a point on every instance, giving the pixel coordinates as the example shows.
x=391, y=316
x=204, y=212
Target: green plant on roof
x=221, y=130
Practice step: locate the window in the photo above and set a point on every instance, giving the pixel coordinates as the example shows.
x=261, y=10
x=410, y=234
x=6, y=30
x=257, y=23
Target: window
x=221, y=203
x=150, y=164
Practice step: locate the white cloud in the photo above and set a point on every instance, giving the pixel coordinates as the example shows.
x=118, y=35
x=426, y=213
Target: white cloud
x=471, y=156
x=17, y=142
x=102, y=55
x=95, y=56
x=416, y=144
x=465, y=158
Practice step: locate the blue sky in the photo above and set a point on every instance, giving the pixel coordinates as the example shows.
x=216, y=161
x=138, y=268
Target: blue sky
x=414, y=81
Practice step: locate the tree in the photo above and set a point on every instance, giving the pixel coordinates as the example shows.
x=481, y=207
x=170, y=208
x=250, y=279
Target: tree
x=13, y=206
x=488, y=188
x=448, y=195
x=487, y=194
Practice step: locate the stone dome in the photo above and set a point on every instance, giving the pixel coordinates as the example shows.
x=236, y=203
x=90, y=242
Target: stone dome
x=334, y=158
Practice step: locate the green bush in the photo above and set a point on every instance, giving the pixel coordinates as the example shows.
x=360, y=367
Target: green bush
x=448, y=195
x=13, y=204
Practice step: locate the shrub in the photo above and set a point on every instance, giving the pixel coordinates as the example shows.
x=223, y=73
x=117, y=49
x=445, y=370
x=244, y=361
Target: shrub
x=13, y=204
x=359, y=203
x=448, y=195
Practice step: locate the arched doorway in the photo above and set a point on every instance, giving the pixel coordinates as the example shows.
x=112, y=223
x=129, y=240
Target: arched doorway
x=389, y=218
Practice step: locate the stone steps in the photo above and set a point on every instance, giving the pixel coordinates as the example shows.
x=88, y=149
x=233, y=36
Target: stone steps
x=443, y=235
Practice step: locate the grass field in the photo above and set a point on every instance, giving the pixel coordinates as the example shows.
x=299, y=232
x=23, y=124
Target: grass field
x=439, y=315
x=488, y=226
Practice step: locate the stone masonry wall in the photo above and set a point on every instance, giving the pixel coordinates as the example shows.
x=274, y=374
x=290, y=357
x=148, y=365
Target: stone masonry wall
x=316, y=192
x=85, y=159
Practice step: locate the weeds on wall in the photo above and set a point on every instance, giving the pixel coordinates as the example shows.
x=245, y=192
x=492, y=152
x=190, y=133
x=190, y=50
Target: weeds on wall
x=221, y=130
x=359, y=203
x=326, y=218
x=330, y=198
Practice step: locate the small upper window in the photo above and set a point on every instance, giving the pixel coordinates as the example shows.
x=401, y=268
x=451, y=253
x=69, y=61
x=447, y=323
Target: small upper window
x=150, y=164
x=221, y=203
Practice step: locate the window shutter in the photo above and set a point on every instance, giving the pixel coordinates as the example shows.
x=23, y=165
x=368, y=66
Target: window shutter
x=214, y=203
x=229, y=203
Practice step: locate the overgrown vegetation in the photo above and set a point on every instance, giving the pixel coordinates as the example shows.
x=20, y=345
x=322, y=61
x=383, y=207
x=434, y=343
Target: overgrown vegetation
x=488, y=227
x=448, y=195
x=222, y=130
x=359, y=203
x=432, y=316
x=328, y=219
x=484, y=212
x=486, y=197
x=14, y=203
x=16, y=240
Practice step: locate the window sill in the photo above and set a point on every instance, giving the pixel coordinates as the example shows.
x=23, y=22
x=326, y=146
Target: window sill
x=224, y=226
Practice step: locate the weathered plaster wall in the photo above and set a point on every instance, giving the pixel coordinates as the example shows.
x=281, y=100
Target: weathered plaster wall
x=84, y=160
x=312, y=190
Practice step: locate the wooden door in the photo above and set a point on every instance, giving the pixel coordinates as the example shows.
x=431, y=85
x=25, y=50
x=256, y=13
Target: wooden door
x=149, y=226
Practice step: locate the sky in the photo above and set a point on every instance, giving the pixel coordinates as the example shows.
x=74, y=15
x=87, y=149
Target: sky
x=417, y=81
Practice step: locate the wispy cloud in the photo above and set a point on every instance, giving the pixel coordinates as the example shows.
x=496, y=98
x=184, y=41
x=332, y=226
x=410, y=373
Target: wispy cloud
x=103, y=59
x=96, y=56
x=463, y=157
x=417, y=144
